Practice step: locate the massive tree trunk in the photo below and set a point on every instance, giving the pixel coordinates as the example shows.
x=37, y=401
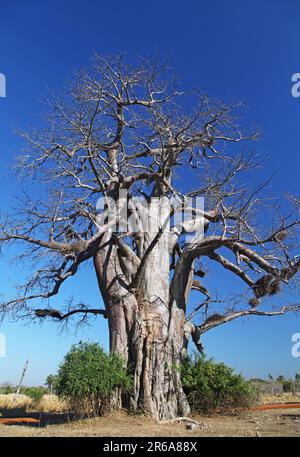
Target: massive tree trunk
x=145, y=329
x=154, y=351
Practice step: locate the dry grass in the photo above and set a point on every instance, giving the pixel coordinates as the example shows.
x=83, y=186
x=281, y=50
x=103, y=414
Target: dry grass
x=22, y=402
x=51, y=404
x=47, y=404
x=285, y=397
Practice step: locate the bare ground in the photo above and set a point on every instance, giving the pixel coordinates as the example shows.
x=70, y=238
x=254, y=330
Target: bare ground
x=255, y=423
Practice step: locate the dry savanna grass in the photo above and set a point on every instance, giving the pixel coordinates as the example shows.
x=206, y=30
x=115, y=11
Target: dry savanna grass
x=7, y=402
x=47, y=404
x=52, y=404
x=286, y=397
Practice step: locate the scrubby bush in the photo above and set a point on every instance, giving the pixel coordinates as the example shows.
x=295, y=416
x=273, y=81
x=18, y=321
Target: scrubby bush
x=88, y=378
x=297, y=382
x=35, y=393
x=288, y=385
x=212, y=386
x=264, y=387
x=7, y=389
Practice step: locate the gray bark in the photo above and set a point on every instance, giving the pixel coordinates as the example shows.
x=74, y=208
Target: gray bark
x=144, y=328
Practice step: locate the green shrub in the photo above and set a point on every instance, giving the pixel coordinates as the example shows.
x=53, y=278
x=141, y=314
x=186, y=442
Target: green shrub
x=88, y=377
x=36, y=393
x=297, y=382
x=288, y=385
x=212, y=386
x=7, y=388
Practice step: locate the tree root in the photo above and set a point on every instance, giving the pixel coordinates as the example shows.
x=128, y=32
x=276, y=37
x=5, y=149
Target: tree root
x=191, y=424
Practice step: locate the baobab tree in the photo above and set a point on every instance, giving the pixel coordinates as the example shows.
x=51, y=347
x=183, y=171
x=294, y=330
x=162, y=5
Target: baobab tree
x=121, y=132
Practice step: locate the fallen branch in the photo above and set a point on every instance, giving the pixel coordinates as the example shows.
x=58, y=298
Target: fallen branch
x=192, y=424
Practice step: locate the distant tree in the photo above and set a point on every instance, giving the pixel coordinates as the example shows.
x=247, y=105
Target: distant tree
x=7, y=388
x=288, y=385
x=50, y=382
x=297, y=382
x=121, y=132
x=36, y=393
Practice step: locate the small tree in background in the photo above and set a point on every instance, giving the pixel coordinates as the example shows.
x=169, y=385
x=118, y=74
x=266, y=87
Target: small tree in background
x=88, y=377
x=50, y=383
x=297, y=382
x=288, y=385
x=34, y=392
x=6, y=388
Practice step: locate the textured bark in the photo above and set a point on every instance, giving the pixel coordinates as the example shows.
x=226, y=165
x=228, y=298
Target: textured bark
x=144, y=329
x=155, y=349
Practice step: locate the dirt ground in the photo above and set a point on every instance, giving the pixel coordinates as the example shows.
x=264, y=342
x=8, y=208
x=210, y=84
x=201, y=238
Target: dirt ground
x=256, y=424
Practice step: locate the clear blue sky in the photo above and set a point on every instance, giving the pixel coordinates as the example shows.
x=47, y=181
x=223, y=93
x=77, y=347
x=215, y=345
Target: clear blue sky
x=230, y=49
